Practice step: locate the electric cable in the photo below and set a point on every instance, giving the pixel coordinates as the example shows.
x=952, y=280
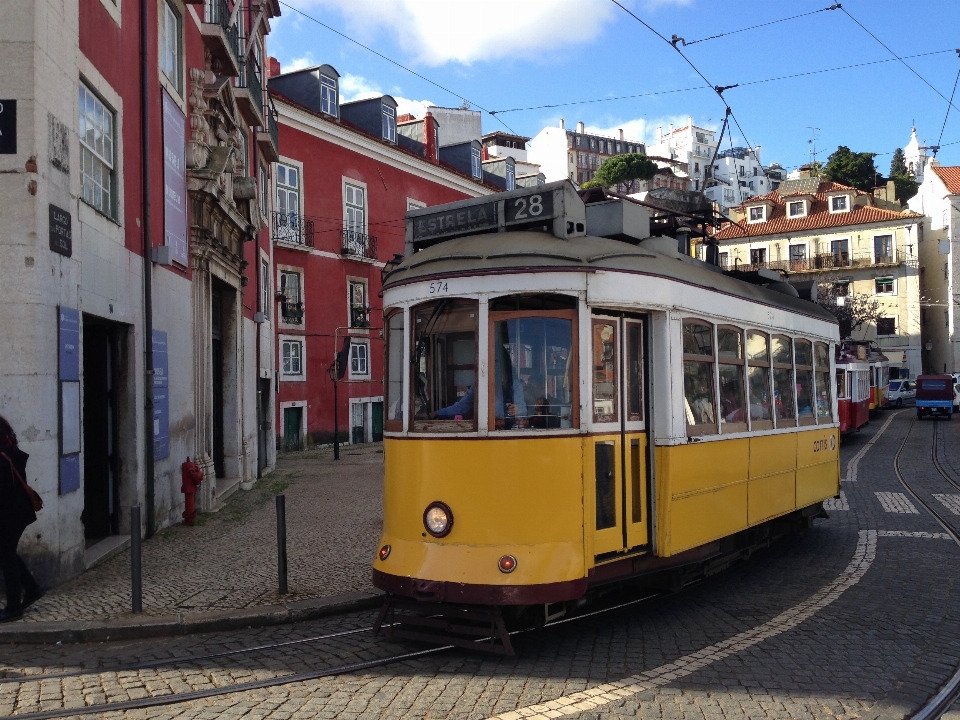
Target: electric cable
x=394, y=62
x=949, y=105
x=754, y=27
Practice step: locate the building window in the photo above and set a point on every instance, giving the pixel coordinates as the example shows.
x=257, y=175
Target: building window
x=797, y=208
x=170, y=46
x=511, y=178
x=728, y=196
x=263, y=191
x=758, y=256
x=475, y=166
x=288, y=190
x=359, y=312
x=291, y=357
x=96, y=152
x=265, y=289
x=328, y=95
x=756, y=214
x=798, y=257
x=883, y=249
x=886, y=326
x=842, y=288
x=841, y=252
x=724, y=259
x=884, y=285
x=359, y=359
x=838, y=203
x=291, y=303
x=389, y=123
x=355, y=209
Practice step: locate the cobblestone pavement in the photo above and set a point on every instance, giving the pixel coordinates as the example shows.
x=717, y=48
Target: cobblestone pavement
x=228, y=559
x=857, y=618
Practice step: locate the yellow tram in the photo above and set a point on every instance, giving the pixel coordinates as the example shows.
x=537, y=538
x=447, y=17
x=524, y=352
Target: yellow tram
x=572, y=403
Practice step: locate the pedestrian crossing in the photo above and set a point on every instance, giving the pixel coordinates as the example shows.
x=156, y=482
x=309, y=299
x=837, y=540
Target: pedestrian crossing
x=950, y=502
x=894, y=502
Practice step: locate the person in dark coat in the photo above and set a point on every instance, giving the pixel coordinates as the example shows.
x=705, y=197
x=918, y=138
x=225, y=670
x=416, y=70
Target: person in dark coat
x=16, y=512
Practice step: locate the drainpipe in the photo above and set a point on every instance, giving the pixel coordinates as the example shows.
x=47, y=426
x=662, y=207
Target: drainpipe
x=148, y=477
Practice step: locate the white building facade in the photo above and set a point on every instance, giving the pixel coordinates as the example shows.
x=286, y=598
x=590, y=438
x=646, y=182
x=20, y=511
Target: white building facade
x=575, y=155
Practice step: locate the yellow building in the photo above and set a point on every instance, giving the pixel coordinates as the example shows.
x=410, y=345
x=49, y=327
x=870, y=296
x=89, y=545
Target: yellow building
x=814, y=230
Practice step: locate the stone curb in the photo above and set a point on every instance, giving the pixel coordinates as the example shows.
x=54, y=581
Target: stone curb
x=140, y=627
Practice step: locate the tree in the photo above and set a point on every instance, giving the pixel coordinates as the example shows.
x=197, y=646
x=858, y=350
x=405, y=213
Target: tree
x=622, y=168
x=855, y=169
x=898, y=166
x=852, y=311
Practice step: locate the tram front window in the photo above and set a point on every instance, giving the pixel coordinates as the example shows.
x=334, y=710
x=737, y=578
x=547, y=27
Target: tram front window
x=444, y=358
x=394, y=383
x=821, y=359
x=533, y=372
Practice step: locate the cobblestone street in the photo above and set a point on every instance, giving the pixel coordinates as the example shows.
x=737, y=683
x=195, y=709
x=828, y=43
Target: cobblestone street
x=228, y=559
x=857, y=618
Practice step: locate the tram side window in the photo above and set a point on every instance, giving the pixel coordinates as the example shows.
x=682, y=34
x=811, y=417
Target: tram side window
x=758, y=379
x=784, y=390
x=533, y=384
x=698, y=378
x=394, y=365
x=604, y=365
x=841, y=384
x=821, y=366
x=803, y=352
x=443, y=356
x=733, y=416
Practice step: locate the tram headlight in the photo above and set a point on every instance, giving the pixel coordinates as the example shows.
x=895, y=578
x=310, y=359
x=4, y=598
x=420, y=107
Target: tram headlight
x=438, y=519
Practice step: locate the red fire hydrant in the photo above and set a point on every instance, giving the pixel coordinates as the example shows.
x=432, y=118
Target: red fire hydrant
x=192, y=476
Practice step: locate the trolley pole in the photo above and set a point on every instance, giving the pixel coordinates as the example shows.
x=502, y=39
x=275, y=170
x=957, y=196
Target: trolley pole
x=282, y=544
x=136, y=589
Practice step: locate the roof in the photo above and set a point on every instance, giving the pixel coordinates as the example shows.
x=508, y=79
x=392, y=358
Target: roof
x=518, y=252
x=818, y=217
x=950, y=174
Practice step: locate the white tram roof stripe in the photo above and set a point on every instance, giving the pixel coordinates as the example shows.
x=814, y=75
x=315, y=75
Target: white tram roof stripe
x=527, y=252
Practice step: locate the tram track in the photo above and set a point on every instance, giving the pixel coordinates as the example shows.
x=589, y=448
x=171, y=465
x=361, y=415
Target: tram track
x=950, y=691
x=176, y=698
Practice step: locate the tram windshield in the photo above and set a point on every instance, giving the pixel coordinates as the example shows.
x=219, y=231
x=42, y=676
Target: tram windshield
x=444, y=358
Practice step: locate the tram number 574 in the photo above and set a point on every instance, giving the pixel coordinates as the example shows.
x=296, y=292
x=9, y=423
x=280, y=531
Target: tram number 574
x=529, y=207
x=439, y=287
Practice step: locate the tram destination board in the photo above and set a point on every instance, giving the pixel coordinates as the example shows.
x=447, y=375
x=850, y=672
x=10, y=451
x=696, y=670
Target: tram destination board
x=537, y=207
x=475, y=217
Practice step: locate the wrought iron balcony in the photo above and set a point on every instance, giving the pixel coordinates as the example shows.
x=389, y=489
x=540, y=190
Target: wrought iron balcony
x=291, y=312
x=221, y=36
x=292, y=229
x=250, y=93
x=268, y=136
x=821, y=262
x=358, y=244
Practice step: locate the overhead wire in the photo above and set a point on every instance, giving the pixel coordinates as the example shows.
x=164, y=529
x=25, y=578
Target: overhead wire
x=754, y=27
x=393, y=62
x=949, y=105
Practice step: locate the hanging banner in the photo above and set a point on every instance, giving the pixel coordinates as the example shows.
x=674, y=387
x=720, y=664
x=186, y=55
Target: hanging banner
x=174, y=181
x=161, y=397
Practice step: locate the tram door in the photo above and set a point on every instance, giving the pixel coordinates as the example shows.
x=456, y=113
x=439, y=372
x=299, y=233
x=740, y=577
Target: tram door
x=619, y=457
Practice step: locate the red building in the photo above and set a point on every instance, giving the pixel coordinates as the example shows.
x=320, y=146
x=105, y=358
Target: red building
x=347, y=174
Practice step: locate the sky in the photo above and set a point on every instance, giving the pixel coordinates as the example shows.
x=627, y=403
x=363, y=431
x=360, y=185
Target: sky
x=509, y=54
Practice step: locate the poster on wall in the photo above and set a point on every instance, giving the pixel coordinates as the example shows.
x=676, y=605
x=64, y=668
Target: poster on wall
x=69, y=381
x=161, y=396
x=174, y=181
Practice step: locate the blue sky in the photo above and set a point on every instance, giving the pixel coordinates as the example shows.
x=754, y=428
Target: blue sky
x=504, y=54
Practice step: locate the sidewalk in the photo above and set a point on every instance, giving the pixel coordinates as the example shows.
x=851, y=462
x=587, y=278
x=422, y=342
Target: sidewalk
x=225, y=566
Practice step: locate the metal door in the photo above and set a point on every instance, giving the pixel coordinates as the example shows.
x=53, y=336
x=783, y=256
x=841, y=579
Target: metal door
x=619, y=458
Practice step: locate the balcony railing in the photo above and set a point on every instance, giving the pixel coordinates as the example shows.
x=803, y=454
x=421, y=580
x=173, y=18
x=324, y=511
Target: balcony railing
x=358, y=244
x=268, y=137
x=291, y=312
x=251, y=101
x=823, y=261
x=222, y=37
x=292, y=229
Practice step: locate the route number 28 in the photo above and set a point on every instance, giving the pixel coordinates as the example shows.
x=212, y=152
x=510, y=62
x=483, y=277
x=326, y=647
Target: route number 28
x=535, y=208
x=439, y=287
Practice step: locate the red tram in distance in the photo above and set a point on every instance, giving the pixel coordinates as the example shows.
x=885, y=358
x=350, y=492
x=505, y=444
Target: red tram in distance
x=853, y=389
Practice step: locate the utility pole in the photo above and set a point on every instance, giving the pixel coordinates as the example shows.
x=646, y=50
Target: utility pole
x=812, y=142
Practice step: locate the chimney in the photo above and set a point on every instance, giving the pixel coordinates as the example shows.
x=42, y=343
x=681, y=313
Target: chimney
x=406, y=117
x=484, y=153
x=562, y=126
x=580, y=127
x=671, y=128
x=621, y=133
x=690, y=120
x=756, y=154
x=431, y=148
x=274, y=67
x=659, y=133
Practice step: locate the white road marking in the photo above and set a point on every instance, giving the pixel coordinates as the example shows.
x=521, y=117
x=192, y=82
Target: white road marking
x=837, y=503
x=665, y=674
x=951, y=502
x=855, y=460
x=896, y=503
x=905, y=533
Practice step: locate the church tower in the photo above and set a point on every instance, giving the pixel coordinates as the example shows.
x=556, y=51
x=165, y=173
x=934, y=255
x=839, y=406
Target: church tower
x=915, y=156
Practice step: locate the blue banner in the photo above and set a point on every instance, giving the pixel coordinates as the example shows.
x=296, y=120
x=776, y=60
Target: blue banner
x=161, y=396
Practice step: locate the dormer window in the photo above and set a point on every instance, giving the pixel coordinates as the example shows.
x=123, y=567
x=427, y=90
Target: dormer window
x=839, y=203
x=328, y=96
x=511, y=178
x=389, y=123
x=757, y=214
x=797, y=208
x=475, y=166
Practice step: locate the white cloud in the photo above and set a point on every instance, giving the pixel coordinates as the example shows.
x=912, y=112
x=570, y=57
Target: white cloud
x=357, y=87
x=466, y=31
x=298, y=64
x=645, y=130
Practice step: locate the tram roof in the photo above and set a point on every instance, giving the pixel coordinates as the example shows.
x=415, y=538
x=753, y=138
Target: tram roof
x=526, y=251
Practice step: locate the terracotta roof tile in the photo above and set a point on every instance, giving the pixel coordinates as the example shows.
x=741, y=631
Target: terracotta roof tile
x=819, y=216
x=950, y=175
